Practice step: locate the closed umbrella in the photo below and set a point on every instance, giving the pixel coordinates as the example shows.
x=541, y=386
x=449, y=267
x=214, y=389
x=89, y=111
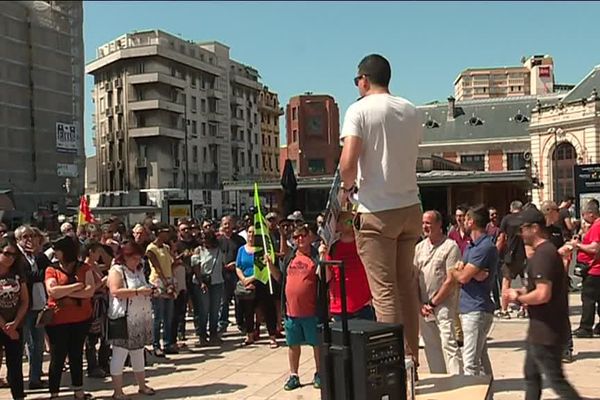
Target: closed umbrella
x=289, y=185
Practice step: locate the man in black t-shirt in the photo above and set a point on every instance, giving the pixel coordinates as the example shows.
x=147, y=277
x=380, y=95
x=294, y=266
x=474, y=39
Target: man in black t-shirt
x=555, y=236
x=512, y=252
x=184, y=247
x=546, y=299
x=565, y=221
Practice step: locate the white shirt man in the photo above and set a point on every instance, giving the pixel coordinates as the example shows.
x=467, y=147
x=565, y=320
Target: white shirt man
x=434, y=256
x=380, y=135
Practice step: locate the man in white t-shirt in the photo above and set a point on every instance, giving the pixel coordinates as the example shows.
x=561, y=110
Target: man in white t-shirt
x=380, y=135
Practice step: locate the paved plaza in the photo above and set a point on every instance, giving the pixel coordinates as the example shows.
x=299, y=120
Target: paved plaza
x=257, y=372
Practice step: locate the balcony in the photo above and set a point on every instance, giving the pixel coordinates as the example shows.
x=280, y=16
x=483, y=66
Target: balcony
x=235, y=121
x=156, y=77
x=214, y=117
x=238, y=101
x=247, y=82
x=217, y=94
x=147, y=105
x=157, y=131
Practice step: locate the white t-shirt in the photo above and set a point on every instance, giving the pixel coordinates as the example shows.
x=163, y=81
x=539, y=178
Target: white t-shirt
x=391, y=131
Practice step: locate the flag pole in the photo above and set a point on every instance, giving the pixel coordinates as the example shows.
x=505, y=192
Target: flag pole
x=262, y=231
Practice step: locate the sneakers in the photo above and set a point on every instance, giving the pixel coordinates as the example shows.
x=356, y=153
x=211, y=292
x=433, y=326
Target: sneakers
x=583, y=333
x=522, y=314
x=317, y=381
x=292, y=383
x=503, y=314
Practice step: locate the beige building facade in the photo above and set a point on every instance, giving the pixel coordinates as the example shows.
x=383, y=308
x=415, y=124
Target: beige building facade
x=41, y=106
x=270, y=111
x=534, y=77
x=173, y=117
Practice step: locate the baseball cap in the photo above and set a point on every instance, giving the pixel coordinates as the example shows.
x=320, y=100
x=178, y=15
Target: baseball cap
x=294, y=218
x=532, y=216
x=548, y=206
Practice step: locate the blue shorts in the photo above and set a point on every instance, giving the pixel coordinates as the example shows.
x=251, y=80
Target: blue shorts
x=299, y=331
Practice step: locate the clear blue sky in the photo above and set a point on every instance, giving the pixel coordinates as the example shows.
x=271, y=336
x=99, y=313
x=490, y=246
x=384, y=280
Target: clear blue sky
x=315, y=46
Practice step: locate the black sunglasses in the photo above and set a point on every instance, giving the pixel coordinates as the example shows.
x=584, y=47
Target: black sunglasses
x=358, y=78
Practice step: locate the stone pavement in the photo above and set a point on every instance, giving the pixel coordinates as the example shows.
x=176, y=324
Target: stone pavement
x=257, y=372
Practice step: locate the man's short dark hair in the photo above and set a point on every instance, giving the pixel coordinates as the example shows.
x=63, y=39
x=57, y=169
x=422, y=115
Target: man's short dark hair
x=480, y=216
x=377, y=69
x=462, y=208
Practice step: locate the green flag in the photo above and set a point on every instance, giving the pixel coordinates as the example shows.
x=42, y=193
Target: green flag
x=263, y=244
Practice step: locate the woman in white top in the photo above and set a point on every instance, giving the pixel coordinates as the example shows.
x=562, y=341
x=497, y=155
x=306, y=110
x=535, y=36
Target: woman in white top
x=130, y=298
x=208, y=282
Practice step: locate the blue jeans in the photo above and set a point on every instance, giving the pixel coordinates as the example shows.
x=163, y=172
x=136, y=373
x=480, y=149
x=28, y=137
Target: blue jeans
x=34, y=340
x=163, y=317
x=228, y=295
x=208, y=305
x=476, y=327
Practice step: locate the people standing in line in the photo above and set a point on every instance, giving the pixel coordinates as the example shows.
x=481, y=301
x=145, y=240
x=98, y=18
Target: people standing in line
x=208, y=264
x=493, y=230
x=512, y=254
x=358, y=293
x=130, y=298
x=587, y=253
x=70, y=286
x=262, y=299
x=34, y=274
x=476, y=274
x=13, y=312
x=380, y=136
x=434, y=257
x=546, y=299
x=161, y=276
x=230, y=244
x=299, y=302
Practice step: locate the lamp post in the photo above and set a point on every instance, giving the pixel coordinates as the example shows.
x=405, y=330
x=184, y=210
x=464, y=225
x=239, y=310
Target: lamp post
x=185, y=146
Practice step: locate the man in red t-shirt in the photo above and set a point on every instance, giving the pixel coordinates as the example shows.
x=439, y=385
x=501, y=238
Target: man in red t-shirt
x=299, y=292
x=588, y=252
x=358, y=294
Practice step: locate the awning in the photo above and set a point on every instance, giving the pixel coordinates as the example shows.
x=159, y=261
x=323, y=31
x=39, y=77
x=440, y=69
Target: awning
x=423, y=179
x=124, y=210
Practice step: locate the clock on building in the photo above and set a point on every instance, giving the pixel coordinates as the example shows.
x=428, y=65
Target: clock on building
x=314, y=125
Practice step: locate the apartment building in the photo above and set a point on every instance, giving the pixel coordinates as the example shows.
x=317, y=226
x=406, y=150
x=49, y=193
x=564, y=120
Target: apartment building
x=270, y=111
x=41, y=100
x=534, y=77
x=172, y=117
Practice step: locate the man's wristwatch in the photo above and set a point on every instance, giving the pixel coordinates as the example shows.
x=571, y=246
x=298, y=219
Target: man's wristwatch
x=430, y=304
x=350, y=189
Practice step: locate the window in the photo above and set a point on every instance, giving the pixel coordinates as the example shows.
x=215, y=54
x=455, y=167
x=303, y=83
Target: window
x=256, y=138
x=204, y=129
x=255, y=118
x=256, y=160
x=269, y=140
x=294, y=113
x=193, y=80
x=212, y=105
x=175, y=179
x=195, y=154
x=194, y=128
x=212, y=130
x=140, y=94
x=203, y=154
x=316, y=166
x=109, y=99
x=474, y=161
x=295, y=135
x=515, y=161
x=248, y=114
x=242, y=159
x=249, y=136
x=194, y=104
x=203, y=105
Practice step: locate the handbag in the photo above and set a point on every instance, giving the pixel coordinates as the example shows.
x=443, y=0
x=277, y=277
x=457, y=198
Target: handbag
x=207, y=278
x=117, y=328
x=242, y=292
x=45, y=317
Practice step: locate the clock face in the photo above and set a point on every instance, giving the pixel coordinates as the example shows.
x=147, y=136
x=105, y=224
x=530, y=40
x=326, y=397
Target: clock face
x=314, y=125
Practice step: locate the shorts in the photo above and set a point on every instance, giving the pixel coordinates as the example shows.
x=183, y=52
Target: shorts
x=511, y=271
x=299, y=331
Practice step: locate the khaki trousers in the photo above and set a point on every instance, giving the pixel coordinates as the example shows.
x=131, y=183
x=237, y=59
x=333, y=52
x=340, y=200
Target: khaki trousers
x=386, y=244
